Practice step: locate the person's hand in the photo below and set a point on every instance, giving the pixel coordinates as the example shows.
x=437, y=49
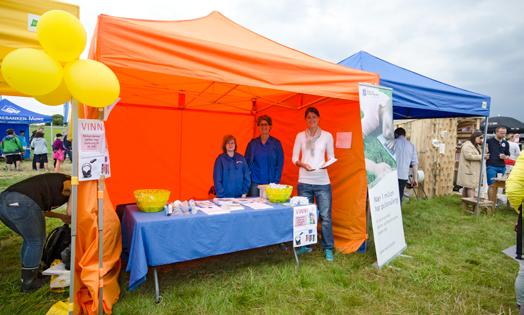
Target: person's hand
x=503, y=156
x=414, y=183
x=66, y=219
x=486, y=156
x=307, y=167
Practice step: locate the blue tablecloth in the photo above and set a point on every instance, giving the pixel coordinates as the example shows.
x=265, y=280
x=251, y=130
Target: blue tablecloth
x=154, y=239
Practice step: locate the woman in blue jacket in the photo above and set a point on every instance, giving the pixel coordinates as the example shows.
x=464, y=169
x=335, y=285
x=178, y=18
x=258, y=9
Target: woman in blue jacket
x=231, y=173
x=265, y=157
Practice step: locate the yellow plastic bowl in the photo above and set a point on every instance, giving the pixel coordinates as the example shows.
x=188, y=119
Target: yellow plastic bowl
x=151, y=200
x=279, y=195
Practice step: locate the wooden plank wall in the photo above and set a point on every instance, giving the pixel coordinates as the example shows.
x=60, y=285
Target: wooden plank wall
x=438, y=168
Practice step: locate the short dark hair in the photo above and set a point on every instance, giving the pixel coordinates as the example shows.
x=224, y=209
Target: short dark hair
x=311, y=110
x=475, y=135
x=39, y=134
x=58, y=135
x=9, y=131
x=21, y=131
x=228, y=138
x=400, y=132
x=500, y=127
x=265, y=118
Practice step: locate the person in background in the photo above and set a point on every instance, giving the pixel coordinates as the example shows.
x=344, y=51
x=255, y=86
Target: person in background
x=514, y=147
x=12, y=150
x=23, y=141
x=515, y=193
x=22, y=209
x=470, y=161
x=406, y=156
x=265, y=157
x=498, y=149
x=33, y=134
x=68, y=148
x=40, y=150
x=231, y=175
x=309, y=155
x=58, y=152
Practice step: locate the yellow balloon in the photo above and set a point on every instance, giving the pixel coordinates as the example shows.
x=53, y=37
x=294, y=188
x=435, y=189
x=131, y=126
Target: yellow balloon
x=92, y=83
x=31, y=71
x=57, y=97
x=61, y=35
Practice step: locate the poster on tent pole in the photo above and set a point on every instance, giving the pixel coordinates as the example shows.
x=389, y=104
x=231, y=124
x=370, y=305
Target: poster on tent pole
x=93, y=157
x=376, y=112
x=304, y=225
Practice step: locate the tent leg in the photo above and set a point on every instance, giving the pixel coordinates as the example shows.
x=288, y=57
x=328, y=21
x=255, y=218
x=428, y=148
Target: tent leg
x=74, y=205
x=297, y=262
x=482, y=161
x=101, y=245
x=158, y=297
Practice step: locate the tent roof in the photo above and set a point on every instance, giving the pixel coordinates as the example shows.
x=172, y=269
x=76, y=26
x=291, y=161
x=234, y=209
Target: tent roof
x=17, y=29
x=12, y=113
x=417, y=96
x=212, y=63
x=512, y=125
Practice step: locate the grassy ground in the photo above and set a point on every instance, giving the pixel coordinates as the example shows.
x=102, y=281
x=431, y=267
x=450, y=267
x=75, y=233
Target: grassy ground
x=455, y=267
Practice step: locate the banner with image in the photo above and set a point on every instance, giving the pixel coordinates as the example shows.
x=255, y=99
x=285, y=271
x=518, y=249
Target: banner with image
x=381, y=169
x=93, y=158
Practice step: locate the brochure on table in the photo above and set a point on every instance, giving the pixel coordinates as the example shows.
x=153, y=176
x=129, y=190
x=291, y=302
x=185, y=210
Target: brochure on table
x=93, y=157
x=304, y=225
x=226, y=205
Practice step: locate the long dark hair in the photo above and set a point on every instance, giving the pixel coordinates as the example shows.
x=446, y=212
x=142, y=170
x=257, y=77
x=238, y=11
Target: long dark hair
x=474, y=136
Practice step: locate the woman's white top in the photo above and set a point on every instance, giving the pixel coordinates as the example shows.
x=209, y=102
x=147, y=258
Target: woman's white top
x=312, y=151
x=514, y=150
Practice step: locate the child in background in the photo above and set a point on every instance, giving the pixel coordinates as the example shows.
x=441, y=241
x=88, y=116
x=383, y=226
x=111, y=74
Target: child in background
x=39, y=144
x=58, y=152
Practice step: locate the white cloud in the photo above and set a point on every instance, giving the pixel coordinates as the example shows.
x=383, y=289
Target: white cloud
x=476, y=45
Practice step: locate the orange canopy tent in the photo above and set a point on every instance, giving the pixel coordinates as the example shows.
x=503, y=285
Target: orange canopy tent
x=185, y=84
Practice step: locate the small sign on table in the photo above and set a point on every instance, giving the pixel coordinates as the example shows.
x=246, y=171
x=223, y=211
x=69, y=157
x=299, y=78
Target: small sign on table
x=304, y=225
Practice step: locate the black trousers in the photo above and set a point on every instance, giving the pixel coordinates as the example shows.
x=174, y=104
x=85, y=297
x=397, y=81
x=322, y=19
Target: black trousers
x=401, y=185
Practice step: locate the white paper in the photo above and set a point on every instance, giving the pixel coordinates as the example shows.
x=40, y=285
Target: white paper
x=327, y=164
x=212, y=211
x=343, y=140
x=56, y=269
x=93, y=156
x=259, y=206
x=304, y=225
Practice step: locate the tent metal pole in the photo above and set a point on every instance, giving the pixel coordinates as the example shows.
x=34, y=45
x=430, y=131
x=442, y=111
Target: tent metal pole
x=101, y=188
x=101, y=245
x=74, y=203
x=482, y=161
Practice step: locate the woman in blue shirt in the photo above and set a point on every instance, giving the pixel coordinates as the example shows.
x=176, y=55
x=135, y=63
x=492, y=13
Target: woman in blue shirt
x=231, y=173
x=265, y=157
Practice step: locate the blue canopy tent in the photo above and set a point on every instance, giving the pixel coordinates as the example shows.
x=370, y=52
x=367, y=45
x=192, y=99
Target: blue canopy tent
x=416, y=96
x=18, y=118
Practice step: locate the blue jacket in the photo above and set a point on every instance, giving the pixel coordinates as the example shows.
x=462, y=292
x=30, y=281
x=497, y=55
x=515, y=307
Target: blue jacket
x=231, y=176
x=265, y=160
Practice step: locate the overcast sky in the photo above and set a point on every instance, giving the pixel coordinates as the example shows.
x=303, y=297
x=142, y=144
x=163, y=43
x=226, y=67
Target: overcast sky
x=473, y=44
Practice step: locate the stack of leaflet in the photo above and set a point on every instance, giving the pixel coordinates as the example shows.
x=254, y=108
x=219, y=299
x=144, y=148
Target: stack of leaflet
x=210, y=208
x=231, y=204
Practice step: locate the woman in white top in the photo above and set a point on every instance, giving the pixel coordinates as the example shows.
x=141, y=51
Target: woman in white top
x=309, y=154
x=514, y=146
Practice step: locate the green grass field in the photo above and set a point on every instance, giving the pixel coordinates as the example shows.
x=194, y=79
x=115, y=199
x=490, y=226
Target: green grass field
x=455, y=266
